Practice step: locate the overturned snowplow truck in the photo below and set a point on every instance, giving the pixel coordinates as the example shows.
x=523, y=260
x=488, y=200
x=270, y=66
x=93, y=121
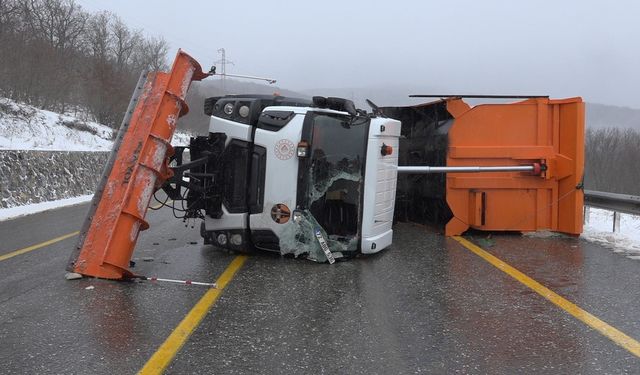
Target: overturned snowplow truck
x=321, y=179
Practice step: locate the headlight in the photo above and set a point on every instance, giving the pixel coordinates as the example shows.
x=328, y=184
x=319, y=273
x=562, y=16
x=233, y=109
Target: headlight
x=297, y=216
x=236, y=239
x=243, y=111
x=222, y=239
x=228, y=109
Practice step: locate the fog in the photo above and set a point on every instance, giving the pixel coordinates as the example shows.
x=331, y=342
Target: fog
x=562, y=49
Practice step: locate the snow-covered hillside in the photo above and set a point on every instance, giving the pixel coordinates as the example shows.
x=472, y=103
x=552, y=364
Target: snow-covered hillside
x=23, y=127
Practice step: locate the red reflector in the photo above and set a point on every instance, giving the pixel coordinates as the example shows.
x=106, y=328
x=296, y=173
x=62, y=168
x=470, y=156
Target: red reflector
x=386, y=150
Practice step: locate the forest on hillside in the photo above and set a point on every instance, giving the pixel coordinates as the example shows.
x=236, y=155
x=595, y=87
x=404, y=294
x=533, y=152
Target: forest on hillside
x=58, y=57
x=612, y=160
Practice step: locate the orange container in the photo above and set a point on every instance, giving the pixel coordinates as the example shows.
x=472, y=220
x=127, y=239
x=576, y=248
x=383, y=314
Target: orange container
x=136, y=170
x=536, y=130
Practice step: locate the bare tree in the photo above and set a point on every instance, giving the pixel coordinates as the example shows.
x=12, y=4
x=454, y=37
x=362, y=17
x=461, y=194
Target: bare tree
x=124, y=42
x=9, y=10
x=98, y=37
x=152, y=54
x=60, y=22
x=611, y=160
x=55, y=55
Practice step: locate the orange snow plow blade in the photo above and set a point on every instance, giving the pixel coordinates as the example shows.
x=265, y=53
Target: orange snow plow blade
x=136, y=169
x=540, y=130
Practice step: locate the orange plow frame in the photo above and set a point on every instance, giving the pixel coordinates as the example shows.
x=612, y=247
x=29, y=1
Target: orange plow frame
x=137, y=168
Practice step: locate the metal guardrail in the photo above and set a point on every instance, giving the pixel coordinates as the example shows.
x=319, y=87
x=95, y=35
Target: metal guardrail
x=618, y=203
x=628, y=204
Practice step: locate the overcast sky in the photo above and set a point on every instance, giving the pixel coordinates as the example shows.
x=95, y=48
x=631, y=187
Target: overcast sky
x=561, y=48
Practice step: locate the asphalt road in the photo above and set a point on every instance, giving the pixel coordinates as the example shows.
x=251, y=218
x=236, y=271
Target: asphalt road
x=426, y=305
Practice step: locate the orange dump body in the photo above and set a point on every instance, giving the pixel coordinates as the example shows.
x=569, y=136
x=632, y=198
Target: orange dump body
x=137, y=168
x=532, y=131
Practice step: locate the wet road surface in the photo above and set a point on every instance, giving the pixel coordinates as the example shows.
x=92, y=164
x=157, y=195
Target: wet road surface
x=427, y=305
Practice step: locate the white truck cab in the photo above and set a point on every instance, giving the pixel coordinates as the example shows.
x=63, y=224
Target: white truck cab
x=316, y=179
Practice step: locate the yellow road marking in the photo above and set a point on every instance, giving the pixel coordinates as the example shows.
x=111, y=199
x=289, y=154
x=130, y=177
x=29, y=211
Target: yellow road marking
x=161, y=359
x=37, y=246
x=49, y=242
x=592, y=321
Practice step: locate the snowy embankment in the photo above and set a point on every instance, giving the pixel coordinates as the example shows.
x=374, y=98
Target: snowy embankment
x=23, y=127
x=46, y=156
x=600, y=229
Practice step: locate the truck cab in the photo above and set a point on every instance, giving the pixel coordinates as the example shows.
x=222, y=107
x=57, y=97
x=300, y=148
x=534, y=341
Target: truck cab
x=308, y=178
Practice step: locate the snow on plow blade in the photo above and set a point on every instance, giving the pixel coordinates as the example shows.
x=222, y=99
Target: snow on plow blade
x=136, y=168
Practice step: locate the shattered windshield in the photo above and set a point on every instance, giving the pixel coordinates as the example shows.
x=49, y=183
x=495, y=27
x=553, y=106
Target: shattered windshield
x=334, y=186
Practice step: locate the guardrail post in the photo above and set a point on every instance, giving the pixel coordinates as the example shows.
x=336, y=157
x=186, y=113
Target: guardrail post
x=616, y=221
x=587, y=213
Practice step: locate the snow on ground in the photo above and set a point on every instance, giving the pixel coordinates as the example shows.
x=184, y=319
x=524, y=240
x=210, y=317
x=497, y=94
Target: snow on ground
x=599, y=229
x=24, y=127
x=13, y=212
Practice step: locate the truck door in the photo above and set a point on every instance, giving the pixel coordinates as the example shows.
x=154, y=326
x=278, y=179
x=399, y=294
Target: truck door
x=274, y=175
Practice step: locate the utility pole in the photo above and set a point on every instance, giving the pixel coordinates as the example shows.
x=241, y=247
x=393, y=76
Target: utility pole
x=223, y=71
x=223, y=64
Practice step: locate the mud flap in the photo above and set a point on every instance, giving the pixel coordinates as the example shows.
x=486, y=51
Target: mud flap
x=137, y=167
x=538, y=130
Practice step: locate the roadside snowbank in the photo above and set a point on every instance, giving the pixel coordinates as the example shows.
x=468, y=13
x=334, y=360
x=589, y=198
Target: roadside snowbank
x=13, y=212
x=599, y=230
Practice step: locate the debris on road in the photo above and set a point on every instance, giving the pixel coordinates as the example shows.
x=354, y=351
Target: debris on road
x=186, y=282
x=72, y=276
